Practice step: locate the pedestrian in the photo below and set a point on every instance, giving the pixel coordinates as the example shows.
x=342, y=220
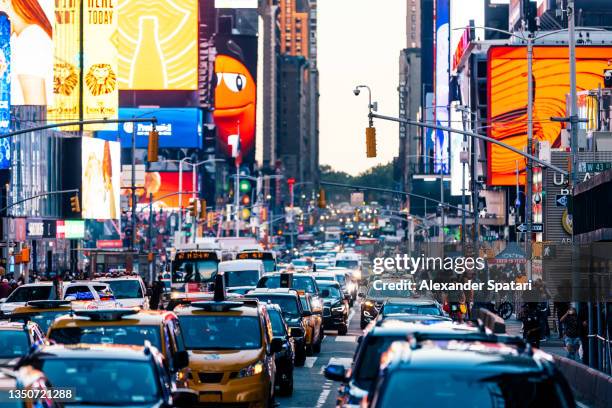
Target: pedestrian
x=572, y=335
x=156, y=293
x=5, y=288
x=531, y=324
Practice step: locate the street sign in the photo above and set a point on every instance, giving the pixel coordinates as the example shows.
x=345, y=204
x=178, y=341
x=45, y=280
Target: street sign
x=594, y=167
x=561, y=200
x=534, y=227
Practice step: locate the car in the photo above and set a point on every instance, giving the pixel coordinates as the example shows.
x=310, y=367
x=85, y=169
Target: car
x=351, y=261
x=467, y=373
x=129, y=290
x=411, y=305
x=15, y=385
x=335, y=307
x=284, y=359
x=302, y=263
x=75, y=290
x=296, y=317
x=110, y=375
x=357, y=381
x=44, y=312
x=231, y=350
x=343, y=277
x=126, y=326
x=374, y=297
x=241, y=275
x=301, y=281
x=314, y=321
x=16, y=339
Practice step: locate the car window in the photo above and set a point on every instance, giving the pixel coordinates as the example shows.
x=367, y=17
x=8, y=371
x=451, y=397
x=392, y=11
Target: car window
x=14, y=343
x=132, y=335
x=276, y=319
x=126, y=289
x=210, y=332
x=81, y=292
x=288, y=304
x=367, y=365
x=27, y=293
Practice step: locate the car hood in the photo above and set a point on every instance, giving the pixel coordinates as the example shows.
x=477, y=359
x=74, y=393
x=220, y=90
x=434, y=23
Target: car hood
x=222, y=360
x=9, y=307
x=132, y=302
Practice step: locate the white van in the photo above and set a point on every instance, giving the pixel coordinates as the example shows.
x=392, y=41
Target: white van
x=350, y=261
x=241, y=275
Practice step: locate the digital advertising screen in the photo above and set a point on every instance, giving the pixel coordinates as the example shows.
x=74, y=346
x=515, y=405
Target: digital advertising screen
x=442, y=142
x=101, y=179
x=162, y=184
x=5, y=89
x=507, y=96
x=158, y=47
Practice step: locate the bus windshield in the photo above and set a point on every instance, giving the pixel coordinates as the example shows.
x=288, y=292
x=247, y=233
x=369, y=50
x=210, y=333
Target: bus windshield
x=194, y=267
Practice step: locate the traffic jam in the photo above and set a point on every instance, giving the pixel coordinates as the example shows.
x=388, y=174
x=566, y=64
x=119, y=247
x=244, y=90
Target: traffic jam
x=231, y=324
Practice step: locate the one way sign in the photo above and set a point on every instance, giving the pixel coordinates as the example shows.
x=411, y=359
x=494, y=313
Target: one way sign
x=534, y=228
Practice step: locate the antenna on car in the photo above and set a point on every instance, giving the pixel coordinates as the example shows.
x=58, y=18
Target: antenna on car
x=219, y=294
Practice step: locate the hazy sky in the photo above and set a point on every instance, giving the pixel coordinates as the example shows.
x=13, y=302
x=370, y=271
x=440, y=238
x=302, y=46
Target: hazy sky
x=359, y=42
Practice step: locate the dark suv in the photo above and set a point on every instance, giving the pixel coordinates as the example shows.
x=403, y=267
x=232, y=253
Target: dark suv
x=373, y=300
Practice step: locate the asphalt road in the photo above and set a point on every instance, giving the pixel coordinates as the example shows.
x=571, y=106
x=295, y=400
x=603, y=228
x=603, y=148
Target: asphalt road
x=311, y=388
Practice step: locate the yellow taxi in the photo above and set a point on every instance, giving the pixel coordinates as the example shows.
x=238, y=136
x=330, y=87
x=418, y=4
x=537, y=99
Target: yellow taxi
x=16, y=339
x=44, y=312
x=128, y=327
x=231, y=350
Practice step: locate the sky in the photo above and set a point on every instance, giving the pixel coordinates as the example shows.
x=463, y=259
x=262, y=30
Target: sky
x=359, y=42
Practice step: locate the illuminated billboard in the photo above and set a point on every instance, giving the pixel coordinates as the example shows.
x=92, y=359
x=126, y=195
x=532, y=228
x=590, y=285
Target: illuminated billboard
x=158, y=45
x=31, y=72
x=5, y=90
x=441, y=147
x=507, y=96
x=162, y=184
x=101, y=178
x=236, y=93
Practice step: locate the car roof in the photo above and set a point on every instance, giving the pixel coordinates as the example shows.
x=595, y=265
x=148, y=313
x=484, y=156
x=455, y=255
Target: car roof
x=417, y=301
x=328, y=283
x=117, y=278
x=95, y=351
x=240, y=262
x=192, y=309
x=391, y=327
x=273, y=291
x=11, y=326
x=140, y=318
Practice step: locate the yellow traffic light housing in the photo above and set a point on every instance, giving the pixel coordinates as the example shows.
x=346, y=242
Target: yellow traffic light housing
x=153, y=148
x=203, y=209
x=370, y=142
x=322, y=201
x=75, y=206
x=193, y=207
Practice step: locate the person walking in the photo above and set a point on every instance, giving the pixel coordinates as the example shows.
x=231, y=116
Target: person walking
x=156, y=293
x=572, y=335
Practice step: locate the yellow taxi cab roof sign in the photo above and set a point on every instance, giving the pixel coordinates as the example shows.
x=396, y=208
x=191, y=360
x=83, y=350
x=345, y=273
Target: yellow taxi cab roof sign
x=106, y=314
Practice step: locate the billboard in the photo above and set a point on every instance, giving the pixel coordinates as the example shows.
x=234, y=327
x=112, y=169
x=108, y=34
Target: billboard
x=101, y=178
x=163, y=183
x=507, y=96
x=5, y=90
x=442, y=47
x=158, y=45
x=31, y=72
x=177, y=127
x=236, y=93
x=66, y=71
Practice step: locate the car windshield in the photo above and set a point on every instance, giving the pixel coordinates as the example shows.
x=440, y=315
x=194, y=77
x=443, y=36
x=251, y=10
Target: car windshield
x=104, y=382
x=305, y=283
x=44, y=319
x=288, y=304
x=194, y=271
x=132, y=335
x=334, y=292
x=387, y=293
x=347, y=264
x=126, y=289
x=241, y=278
x=210, y=332
x=444, y=389
x=276, y=319
x=269, y=265
x=325, y=278
x=394, y=308
x=13, y=343
x=367, y=365
x=27, y=293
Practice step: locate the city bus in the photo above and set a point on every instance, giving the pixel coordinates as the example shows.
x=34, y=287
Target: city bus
x=194, y=269
x=268, y=258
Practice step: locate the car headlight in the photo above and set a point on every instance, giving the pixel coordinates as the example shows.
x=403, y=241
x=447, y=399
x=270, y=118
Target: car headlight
x=338, y=308
x=251, y=370
x=369, y=303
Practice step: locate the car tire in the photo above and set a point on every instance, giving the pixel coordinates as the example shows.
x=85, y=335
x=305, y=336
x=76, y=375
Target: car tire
x=342, y=330
x=286, y=387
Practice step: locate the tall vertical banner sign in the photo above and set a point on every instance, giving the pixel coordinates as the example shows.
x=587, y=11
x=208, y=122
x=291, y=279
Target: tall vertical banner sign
x=441, y=150
x=100, y=86
x=5, y=89
x=66, y=69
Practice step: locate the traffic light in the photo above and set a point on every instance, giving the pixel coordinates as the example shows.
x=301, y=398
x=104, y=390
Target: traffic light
x=193, y=207
x=321, y=202
x=153, y=146
x=245, y=200
x=244, y=186
x=370, y=142
x=203, y=209
x=74, y=204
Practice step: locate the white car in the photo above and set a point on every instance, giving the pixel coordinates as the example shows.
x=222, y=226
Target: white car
x=76, y=290
x=129, y=291
x=242, y=275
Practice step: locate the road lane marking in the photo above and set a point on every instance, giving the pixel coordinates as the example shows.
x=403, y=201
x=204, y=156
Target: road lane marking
x=324, y=394
x=346, y=339
x=310, y=362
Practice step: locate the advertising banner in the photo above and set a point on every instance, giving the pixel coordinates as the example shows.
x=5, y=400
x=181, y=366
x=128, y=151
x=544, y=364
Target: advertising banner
x=41, y=229
x=441, y=150
x=70, y=229
x=31, y=72
x=100, y=90
x=163, y=183
x=5, y=89
x=101, y=178
x=177, y=128
x=507, y=96
x=158, y=45
x=236, y=93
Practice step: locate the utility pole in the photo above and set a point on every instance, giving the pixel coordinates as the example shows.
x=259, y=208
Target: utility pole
x=133, y=238
x=529, y=181
x=237, y=201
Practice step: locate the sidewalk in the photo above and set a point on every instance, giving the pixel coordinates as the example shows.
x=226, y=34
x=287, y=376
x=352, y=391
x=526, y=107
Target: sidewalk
x=554, y=345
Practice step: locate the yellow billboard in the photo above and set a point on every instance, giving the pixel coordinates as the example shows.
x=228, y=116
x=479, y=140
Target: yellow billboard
x=158, y=47
x=100, y=90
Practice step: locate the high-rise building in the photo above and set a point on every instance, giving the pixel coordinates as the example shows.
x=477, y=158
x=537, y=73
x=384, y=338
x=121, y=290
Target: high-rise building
x=270, y=12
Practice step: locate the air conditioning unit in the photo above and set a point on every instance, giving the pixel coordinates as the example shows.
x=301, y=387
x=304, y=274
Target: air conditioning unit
x=602, y=141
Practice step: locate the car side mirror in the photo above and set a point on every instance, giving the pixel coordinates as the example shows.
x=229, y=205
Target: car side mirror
x=180, y=360
x=276, y=345
x=296, y=332
x=184, y=397
x=361, y=295
x=335, y=372
x=306, y=313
